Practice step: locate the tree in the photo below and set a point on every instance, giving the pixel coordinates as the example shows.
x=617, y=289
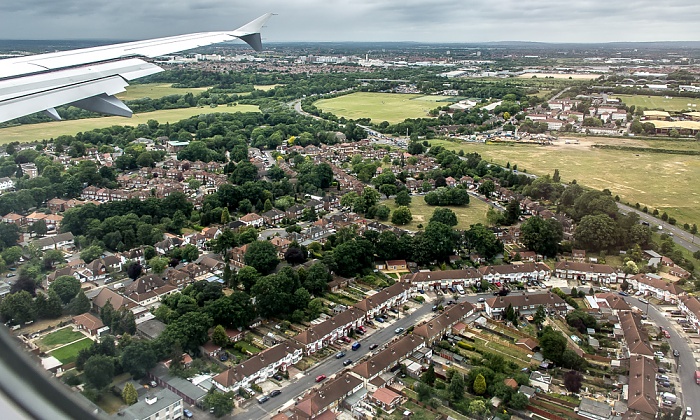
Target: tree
x=539, y=316
x=137, y=358
x=402, y=216
x=487, y=188
x=445, y=216
x=18, y=307
x=456, y=387
x=382, y=212
x=39, y=228
x=552, y=344
x=596, y=232
x=66, y=287
x=91, y=253
x=542, y=236
x=479, y=386
x=134, y=269
x=12, y=254
x=483, y=241
x=158, y=264
x=189, y=331
x=556, y=177
x=403, y=198
x=262, y=256
x=429, y=376
x=48, y=307
x=248, y=276
x=518, y=401
x=387, y=189
x=99, y=371
x=512, y=213
x=129, y=394
x=573, y=380
x=219, y=336
x=222, y=403
x=436, y=243
x=294, y=256
x=79, y=304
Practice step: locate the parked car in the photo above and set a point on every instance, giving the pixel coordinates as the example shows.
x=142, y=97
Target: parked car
x=223, y=356
x=642, y=300
x=482, y=300
x=347, y=339
x=688, y=412
x=278, y=377
x=622, y=293
x=10, y=275
x=274, y=393
x=638, y=293
x=340, y=355
x=319, y=378
x=435, y=308
x=153, y=384
x=347, y=362
x=399, y=330
x=380, y=319
x=661, y=370
x=187, y=413
x=362, y=328
x=667, y=334
x=665, y=384
x=676, y=353
x=263, y=399
x=373, y=346
x=394, y=310
x=359, y=331
x=658, y=354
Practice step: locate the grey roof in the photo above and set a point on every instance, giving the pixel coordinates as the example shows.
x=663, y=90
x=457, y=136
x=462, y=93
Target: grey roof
x=143, y=410
x=597, y=408
x=151, y=328
x=528, y=391
x=183, y=386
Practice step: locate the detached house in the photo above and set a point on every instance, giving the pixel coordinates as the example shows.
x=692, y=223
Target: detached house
x=252, y=219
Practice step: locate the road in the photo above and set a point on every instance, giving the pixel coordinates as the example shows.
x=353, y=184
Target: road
x=331, y=366
x=686, y=361
x=680, y=236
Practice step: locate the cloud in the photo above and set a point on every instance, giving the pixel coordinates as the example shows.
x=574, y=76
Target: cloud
x=360, y=20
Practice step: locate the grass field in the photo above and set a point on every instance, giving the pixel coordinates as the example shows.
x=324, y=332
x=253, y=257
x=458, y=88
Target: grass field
x=559, y=76
x=33, y=132
x=265, y=88
x=155, y=91
x=68, y=354
x=664, y=181
x=660, y=102
x=62, y=336
x=390, y=107
x=474, y=213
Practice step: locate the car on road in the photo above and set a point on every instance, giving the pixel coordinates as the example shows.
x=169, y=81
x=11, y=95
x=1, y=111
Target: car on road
x=10, y=275
x=274, y=393
x=435, y=308
x=482, y=300
x=340, y=355
x=347, y=362
x=187, y=413
x=676, y=353
x=355, y=346
x=373, y=346
x=319, y=378
x=153, y=384
x=399, y=330
x=688, y=412
x=667, y=334
x=605, y=289
x=622, y=293
x=263, y=399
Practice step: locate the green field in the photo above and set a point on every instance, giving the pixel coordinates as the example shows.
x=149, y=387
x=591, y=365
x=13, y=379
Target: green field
x=33, y=132
x=660, y=102
x=390, y=107
x=474, y=213
x=155, y=91
x=62, y=336
x=664, y=181
x=69, y=353
x=265, y=88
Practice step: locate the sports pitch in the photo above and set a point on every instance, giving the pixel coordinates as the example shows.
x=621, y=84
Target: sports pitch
x=35, y=132
x=666, y=103
x=390, y=107
x=155, y=91
x=667, y=182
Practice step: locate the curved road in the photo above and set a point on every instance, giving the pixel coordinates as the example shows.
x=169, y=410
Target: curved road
x=686, y=362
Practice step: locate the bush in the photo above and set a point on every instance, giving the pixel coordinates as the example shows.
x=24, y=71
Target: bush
x=465, y=346
x=419, y=299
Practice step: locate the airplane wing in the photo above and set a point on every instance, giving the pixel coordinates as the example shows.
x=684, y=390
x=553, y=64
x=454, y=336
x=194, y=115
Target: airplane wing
x=90, y=77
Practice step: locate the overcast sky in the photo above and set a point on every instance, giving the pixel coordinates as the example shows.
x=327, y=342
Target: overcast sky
x=359, y=20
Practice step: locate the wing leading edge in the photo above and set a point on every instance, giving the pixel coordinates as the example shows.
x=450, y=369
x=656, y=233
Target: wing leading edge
x=90, y=77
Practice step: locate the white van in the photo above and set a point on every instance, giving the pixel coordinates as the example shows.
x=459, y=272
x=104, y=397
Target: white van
x=460, y=289
x=667, y=396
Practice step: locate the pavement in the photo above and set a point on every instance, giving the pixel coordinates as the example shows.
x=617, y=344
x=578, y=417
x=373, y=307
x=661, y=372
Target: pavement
x=689, y=395
x=296, y=387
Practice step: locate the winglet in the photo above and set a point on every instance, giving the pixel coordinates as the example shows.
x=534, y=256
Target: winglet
x=250, y=32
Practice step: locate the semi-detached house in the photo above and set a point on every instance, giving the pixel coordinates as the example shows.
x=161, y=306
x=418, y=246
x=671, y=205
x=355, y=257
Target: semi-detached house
x=321, y=335
x=651, y=284
x=429, y=280
x=599, y=273
x=392, y=296
x=690, y=306
x=515, y=273
x=526, y=303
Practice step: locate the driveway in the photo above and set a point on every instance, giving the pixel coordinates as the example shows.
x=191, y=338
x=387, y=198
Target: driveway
x=690, y=391
x=330, y=366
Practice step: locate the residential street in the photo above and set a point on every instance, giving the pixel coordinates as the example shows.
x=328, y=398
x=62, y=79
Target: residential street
x=690, y=395
x=331, y=366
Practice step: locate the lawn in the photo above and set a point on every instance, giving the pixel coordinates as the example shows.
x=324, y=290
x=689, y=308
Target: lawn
x=667, y=182
x=62, y=336
x=33, y=132
x=474, y=213
x=265, y=88
x=155, y=91
x=390, y=107
x=249, y=347
x=670, y=103
x=68, y=354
